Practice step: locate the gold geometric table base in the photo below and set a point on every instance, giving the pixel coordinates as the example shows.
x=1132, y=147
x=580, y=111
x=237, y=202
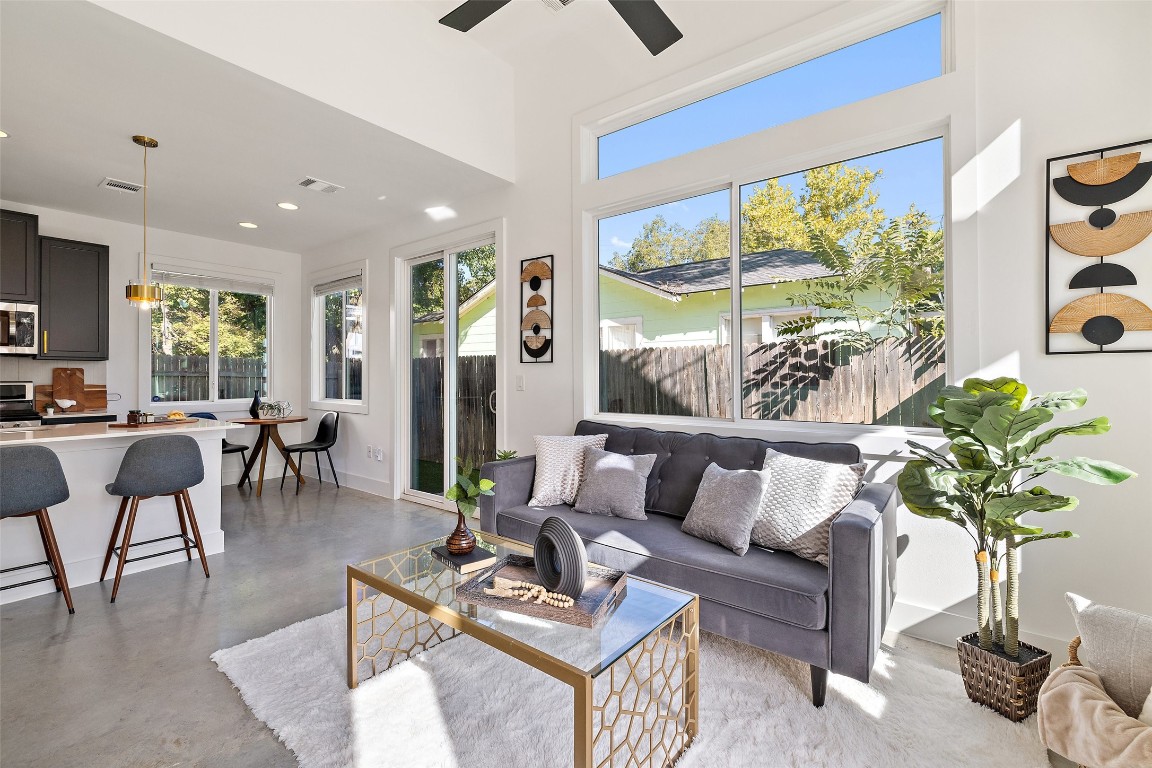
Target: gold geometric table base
x=642, y=712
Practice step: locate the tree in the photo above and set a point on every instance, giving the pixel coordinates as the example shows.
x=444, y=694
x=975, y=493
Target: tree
x=661, y=244
x=182, y=323
x=903, y=261
x=475, y=268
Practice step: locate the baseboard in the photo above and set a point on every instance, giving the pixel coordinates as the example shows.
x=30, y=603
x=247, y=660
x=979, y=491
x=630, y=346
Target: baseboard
x=272, y=470
x=943, y=627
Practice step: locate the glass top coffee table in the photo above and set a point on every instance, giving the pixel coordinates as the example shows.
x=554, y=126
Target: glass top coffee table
x=634, y=675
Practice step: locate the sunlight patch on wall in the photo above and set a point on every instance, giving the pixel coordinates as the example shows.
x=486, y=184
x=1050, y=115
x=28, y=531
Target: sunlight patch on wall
x=987, y=174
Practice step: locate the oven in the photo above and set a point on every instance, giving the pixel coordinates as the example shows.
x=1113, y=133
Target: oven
x=17, y=405
x=19, y=328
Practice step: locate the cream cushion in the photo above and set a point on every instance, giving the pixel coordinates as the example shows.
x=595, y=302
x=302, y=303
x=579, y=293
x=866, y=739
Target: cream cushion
x=1117, y=644
x=560, y=467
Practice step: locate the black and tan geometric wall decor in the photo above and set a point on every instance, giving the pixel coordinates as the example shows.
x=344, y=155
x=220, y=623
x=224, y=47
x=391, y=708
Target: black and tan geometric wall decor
x=536, y=310
x=1098, y=251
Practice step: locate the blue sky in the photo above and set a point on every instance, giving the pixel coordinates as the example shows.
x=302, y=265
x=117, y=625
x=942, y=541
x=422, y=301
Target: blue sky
x=884, y=63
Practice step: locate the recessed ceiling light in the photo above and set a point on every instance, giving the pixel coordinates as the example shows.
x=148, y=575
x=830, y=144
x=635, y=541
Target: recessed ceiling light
x=440, y=212
x=382, y=197
x=4, y=135
x=288, y=206
x=247, y=225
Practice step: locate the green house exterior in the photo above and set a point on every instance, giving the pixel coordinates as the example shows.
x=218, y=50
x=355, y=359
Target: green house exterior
x=477, y=329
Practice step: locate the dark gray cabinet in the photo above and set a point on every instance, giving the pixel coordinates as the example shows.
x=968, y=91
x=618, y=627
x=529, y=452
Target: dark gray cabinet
x=73, y=300
x=19, y=270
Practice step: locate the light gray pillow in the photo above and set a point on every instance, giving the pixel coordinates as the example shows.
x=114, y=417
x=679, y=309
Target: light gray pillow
x=560, y=467
x=725, y=507
x=614, y=484
x=1117, y=645
x=803, y=497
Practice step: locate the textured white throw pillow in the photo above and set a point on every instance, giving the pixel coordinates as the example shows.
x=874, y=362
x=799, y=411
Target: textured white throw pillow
x=803, y=496
x=560, y=467
x=1117, y=645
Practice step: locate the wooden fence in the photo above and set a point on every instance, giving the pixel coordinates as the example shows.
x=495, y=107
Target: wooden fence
x=475, y=417
x=891, y=384
x=332, y=383
x=185, y=377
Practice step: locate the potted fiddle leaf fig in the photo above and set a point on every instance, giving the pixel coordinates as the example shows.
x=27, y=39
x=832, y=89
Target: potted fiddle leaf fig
x=984, y=482
x=466, y=492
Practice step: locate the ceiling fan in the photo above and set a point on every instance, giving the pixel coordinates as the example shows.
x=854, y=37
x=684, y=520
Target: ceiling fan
x=645, y=17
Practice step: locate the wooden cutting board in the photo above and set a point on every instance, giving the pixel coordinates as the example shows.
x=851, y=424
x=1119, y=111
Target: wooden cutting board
x=68, y=384
x=96, y=397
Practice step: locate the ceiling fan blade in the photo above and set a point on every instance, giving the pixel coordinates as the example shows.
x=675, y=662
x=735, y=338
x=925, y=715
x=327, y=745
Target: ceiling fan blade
x=649, y=22
x=471, y=13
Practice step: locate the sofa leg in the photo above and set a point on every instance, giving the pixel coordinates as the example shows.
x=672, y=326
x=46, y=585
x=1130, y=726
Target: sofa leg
x=819, y=685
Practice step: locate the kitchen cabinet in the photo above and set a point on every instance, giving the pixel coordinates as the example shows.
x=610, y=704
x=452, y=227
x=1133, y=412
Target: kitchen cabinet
x=19, y=257
x=73, y=300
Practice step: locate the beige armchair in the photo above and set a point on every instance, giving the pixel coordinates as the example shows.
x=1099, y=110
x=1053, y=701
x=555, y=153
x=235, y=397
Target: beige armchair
x=1079, y=720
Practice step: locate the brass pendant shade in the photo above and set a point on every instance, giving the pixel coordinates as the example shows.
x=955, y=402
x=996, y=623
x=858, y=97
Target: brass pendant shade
x=144, y=294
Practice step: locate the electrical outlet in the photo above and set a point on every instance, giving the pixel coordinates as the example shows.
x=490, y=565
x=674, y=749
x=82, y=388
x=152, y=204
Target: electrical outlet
x=519, y=382
x=379, y=454
x=369, y=451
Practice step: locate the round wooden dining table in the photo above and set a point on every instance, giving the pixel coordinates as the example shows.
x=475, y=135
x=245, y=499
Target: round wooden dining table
x=269, y=432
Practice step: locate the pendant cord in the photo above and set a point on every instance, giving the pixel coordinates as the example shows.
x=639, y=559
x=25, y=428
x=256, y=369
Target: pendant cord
x=144, y=255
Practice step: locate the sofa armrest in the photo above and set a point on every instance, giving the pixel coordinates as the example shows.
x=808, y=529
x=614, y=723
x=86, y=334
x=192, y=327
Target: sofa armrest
x=513, y=479
x=862, y=579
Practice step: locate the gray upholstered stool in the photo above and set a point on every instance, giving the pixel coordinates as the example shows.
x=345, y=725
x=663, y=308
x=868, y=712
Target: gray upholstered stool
x=31, y=480
x=156, y=466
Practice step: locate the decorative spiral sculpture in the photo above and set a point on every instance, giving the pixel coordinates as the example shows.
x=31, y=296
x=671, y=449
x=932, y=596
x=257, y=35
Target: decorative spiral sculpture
x=561, y=561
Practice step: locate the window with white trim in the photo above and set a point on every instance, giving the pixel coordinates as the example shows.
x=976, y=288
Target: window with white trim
x=338, y=340
x=210, y=339
x=841, y=268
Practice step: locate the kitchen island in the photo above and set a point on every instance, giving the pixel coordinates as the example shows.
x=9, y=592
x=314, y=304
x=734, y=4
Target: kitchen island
x=90, y=455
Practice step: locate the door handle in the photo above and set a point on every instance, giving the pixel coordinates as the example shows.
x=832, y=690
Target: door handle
x=45, y=342
x=492, y=401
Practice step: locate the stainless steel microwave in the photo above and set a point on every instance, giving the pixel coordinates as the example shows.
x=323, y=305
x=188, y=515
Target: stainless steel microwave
x=19, y=328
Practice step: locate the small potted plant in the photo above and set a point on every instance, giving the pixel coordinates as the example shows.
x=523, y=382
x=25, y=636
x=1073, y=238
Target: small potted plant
x=466, y=492
x=985, y=482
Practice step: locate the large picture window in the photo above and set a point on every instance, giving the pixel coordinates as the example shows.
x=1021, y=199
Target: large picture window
x=841, y=299
x=898, y=58
x=210, y=339
x=339, y=324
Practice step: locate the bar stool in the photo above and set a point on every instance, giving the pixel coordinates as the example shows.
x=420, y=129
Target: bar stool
x=156, y=466
x=31, y=480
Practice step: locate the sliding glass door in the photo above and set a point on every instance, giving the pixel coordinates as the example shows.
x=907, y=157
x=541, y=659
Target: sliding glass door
x=452, y=358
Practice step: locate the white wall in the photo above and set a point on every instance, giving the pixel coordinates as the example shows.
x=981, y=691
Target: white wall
x=1076, y=79
x=126, y=356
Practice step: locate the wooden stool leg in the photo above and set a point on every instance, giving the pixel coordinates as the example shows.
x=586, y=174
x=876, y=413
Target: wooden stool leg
x=195, y=531
x=47, y=548
x=183, y=525
x=112, y=538
x=124, y=545
x=53, y=552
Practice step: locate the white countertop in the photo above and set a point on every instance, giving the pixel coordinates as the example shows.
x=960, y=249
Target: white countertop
x=101, y=430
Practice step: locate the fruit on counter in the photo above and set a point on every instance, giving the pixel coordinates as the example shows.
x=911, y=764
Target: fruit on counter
x=176, y=415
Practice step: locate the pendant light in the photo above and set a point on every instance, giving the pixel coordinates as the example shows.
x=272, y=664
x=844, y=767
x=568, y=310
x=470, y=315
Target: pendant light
x=144, y=294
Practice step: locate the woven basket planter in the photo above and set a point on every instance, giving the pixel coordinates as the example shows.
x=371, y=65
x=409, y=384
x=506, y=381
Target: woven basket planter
x=1008, y=686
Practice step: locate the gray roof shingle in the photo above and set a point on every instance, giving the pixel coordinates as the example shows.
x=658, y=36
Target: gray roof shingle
x=781, y=265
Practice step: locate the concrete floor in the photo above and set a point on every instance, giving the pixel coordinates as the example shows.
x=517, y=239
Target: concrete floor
x=131, y=684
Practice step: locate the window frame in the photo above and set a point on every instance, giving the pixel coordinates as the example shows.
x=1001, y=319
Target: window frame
x=316, y=401
x=909, y=115
x=210, y=272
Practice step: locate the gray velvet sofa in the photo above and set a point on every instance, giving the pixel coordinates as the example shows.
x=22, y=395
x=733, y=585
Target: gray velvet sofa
x=831, y=618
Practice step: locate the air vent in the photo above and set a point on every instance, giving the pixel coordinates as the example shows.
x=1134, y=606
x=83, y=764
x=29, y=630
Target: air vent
x=121, y=186
x=557, y=5
x=310, y=182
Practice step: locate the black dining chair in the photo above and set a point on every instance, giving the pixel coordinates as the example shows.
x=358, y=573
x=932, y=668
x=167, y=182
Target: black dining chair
x=226, y=447
x=325, y=439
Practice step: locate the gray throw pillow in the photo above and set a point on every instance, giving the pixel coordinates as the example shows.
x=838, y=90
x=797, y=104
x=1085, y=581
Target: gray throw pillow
x=725, y=507
x=803, y=497
x=1117, y=645
x=614, y=484
x=560, y=467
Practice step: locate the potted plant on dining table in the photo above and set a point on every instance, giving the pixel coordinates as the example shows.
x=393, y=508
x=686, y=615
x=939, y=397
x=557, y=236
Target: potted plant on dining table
x=985, y=482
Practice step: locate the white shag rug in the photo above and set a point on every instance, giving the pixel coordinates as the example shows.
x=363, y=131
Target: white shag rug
x=463, y=704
